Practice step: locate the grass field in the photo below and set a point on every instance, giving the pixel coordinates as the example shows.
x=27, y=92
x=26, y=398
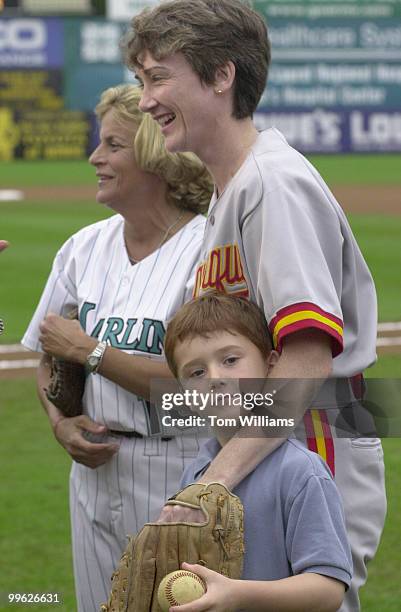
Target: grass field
x=35, y=540
x=37, y=229
x=34, y=519
x=341, y=169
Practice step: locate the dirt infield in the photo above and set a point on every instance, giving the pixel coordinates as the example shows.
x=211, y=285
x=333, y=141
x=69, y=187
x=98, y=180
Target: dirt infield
x=383, y=199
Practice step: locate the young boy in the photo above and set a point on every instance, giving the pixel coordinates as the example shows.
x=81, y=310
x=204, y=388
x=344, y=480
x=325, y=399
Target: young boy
x=297, y=553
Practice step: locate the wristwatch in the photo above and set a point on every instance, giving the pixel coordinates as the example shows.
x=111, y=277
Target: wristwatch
x=94, y=358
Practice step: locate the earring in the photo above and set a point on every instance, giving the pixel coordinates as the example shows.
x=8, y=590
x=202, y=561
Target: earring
x=219, y=91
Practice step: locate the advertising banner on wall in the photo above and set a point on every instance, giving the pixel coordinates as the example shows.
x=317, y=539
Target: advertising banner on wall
x=50, y=135
x=93, y=60
x=313, y=9
x=333, y=84
x=336, y=131
x=31, y=89
x=335, y=77
x=125, y=9
x=37, y=7
x=31, y=43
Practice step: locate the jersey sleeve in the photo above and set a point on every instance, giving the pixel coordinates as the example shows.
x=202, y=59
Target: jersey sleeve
x=58, y=296
x=316, y=538
x=293, y=250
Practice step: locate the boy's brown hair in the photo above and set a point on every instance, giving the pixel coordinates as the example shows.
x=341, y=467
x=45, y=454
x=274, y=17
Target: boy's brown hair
x=209, y=33
x=216, y=312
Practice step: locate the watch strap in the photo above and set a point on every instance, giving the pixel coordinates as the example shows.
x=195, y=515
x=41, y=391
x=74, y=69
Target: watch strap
x=94, y=359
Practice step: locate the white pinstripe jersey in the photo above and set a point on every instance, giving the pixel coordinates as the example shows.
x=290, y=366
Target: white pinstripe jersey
x=126, y=305
x=278, y=236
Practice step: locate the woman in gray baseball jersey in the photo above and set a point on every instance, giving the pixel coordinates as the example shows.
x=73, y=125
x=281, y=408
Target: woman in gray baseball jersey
x=274, y=234
x=128, y=275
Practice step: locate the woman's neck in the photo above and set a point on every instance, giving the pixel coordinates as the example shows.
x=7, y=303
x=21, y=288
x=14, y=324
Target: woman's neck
x=229, y=150
x=152, y=228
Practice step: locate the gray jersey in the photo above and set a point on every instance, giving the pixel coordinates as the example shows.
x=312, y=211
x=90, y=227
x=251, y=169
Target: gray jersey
x=278, y=236
x=293, y=517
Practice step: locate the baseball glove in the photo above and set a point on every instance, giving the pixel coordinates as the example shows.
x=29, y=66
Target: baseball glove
x=67, y=383
x=160, y=548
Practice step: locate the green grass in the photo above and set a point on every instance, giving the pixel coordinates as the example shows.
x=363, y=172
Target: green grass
x=341, y=169
x=383, y=589
x=34, y=517
x=387, y=366
x=36, y=230
x=359, y=169
x=34, y=520
x=379, y=240
x=16, y=174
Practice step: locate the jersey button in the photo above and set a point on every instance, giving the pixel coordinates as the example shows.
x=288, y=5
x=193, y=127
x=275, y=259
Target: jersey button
x=211, y=219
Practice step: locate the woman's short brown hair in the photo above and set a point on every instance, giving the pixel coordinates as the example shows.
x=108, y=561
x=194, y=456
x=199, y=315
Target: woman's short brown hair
x=212, y=313
x=209, y=33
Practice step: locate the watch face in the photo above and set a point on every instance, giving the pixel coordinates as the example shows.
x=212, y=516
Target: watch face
x=93, y=360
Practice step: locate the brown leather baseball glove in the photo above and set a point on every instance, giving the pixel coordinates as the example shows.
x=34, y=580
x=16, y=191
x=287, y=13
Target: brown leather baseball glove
x=67, y=383
x=160, y=548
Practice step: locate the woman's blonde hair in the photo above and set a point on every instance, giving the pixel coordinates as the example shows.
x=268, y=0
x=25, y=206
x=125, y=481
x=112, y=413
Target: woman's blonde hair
x=189, y=183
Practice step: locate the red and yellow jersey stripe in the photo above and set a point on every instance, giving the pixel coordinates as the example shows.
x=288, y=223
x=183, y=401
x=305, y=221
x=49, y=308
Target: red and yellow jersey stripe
x=305, y=315
x=319, y=437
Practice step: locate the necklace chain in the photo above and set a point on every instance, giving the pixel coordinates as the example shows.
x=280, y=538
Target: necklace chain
x=164, y=238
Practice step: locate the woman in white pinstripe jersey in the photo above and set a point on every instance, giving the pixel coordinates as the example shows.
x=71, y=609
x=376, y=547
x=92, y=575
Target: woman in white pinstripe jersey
x=128, y=275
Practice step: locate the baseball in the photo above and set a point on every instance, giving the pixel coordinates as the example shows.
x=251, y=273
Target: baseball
x=178, y=588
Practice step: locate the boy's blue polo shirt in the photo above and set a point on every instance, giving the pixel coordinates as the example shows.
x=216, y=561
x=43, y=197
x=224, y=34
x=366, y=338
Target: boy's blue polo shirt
x=293, y=515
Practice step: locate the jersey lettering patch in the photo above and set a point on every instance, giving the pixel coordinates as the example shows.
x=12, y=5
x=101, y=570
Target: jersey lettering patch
x=222, y=271
x=144, y=335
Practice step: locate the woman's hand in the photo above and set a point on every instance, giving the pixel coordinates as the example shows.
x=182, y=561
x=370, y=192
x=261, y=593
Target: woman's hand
x=69, y=432
x=220, y=593
x=65, y=338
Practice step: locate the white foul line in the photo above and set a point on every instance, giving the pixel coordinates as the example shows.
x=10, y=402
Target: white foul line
x=19, y=364
x=12, y=348
x=392, y=341
x=382, y=327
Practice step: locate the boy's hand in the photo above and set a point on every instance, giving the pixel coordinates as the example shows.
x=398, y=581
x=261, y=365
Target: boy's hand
x=160, y=548
x=219, y=596
x=180, y=514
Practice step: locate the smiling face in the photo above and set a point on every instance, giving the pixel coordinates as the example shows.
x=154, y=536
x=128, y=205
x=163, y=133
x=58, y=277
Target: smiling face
x=119, y=177
x=184, y=107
